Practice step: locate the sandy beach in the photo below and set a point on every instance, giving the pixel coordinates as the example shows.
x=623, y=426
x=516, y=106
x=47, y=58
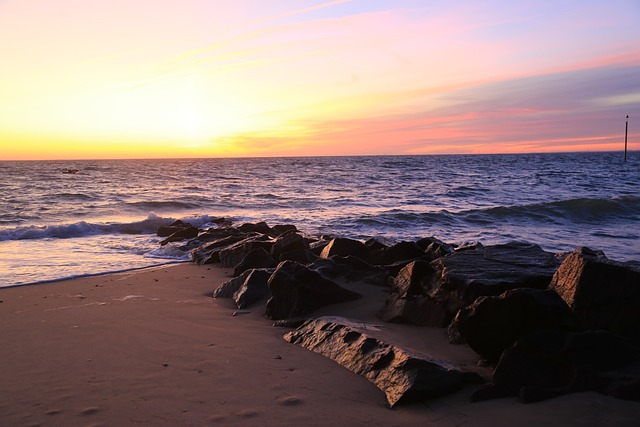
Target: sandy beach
x=152, y=347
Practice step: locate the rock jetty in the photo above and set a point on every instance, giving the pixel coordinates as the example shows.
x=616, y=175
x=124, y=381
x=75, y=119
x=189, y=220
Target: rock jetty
x=547, y=324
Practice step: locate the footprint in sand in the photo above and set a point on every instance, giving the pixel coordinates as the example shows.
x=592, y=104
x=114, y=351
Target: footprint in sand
x=90, y=410
x=289, y=401
x=248, y=413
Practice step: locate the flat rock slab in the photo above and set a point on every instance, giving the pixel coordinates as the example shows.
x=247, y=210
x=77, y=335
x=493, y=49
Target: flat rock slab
x=402, y=376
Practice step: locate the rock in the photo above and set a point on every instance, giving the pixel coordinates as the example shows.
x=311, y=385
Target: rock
x=302, y=256
x=183, y=233
x=297, y=291
x=317, y=246
x=547, y=364
x=409, y=302
x=343, y=247
x=282, y=229
x=246, y=289
x=400, y=253
x=254, y=288
x=411, y=280
x=233, y=254
x=434, y=248
x=459, y=278
x=351, y=269
x=287, y=243
x=168, y=230
x=208, y=236
x=604, y=294
x=415, y=310
x=402, y=376
x=260, y=227
x=257, y=258
x=230, y=287
x=209, y=252
x=374, y=245
x=492, y=324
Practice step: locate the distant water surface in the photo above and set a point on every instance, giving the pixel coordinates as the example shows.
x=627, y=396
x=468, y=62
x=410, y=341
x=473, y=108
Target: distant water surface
x=63, y=219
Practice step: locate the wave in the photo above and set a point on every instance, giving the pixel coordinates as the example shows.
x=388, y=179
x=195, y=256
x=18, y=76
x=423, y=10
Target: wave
x=156, y=205
x=588, y=210
x=580, y=210
x=83, y=229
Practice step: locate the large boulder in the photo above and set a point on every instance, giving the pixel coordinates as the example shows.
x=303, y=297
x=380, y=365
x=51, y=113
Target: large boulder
x=297, y=291
x=397, y=254
x=233, y=254
x=209, y=253
x=402, y=376
x=408, y=301
x=344, y=247
x=247, y=289
x=604, y=294
x=351, y=269
x=435, y=248
x=459, y=278
x=546, y=364
x=168, y=230
x=259, y=227
x=287, y=243
x=490, y=325
x=184, y=232
x=256, y=258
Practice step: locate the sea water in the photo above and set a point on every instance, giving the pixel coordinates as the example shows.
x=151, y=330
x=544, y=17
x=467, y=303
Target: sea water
x=63, y=219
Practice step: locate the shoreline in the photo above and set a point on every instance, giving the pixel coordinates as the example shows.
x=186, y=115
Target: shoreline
x=152, y=346
x=89, y=275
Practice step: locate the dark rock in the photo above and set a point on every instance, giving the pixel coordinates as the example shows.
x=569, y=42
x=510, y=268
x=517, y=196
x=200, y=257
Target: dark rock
x=409, y=302
x=282, y=229
x=260, y=227
x=434, y=248
x=374, y=245
x=343, y=247
x=254, y=288
x=547, y=364
x=177, y=225
x=288, y=242
x=210, y=235
x=604, y=294
x=317, y=246
x=297, y=291
x=351, y=269
x=256, y=258
x=402, y=252
x=412, y=279
x=459, y=278
x=246, y=289
x=414, y=310
x=209, y=252
x=402, y=376
x=492, y=324
x=233, y=254
x=302, y=256
x=181, y=234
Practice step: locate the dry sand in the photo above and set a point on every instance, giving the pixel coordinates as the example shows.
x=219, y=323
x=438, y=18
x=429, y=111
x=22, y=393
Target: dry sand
x=152, y=347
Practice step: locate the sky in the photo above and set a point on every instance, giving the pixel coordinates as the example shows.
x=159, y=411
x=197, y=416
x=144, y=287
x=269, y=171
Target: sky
x=90, y=79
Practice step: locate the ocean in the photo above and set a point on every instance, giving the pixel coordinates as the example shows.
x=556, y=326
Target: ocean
x=61, y=219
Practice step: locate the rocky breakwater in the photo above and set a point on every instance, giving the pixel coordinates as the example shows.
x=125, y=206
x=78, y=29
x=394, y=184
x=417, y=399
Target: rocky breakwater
x=547, y=324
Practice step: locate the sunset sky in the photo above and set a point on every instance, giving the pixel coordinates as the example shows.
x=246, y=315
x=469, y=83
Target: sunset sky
x=202, y=78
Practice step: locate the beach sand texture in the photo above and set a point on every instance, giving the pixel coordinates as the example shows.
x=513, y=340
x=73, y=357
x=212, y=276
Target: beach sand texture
x=152, y=347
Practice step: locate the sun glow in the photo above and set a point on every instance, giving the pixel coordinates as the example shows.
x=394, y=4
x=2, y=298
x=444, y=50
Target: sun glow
x=118, y=79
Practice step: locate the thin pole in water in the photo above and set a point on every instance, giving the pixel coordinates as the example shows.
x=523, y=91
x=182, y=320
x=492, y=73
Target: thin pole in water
x=626, y=132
